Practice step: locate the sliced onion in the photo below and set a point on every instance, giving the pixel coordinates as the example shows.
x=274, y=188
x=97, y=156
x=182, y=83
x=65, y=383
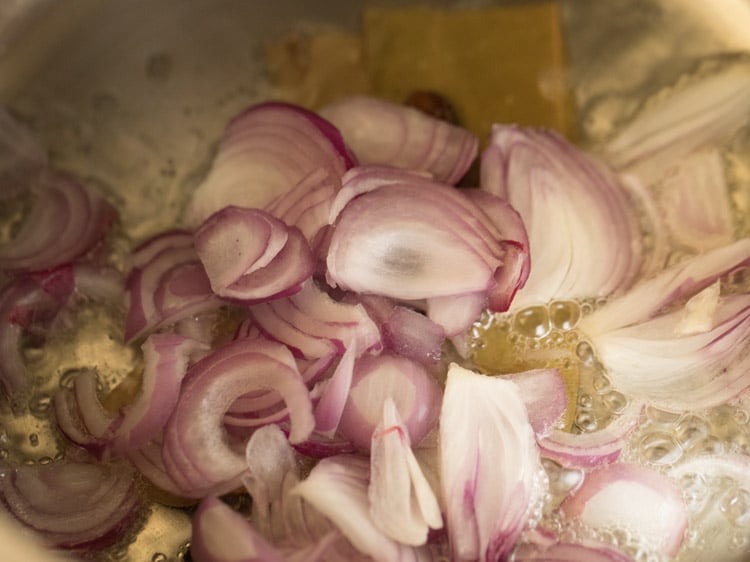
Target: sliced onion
x=405, y=331
x=553, y=186
x=24, y=303
x=308, y=205
x=21, y=156
x=543, y=392
x=708, y=110
x=554, y=550
x=73, y=504
x=266, y=150
x=695, y=200
x=80, y=414
x=220, y=534
x=595, y=448
x=396, y=232
x=330, y=407
x=251, y=256
x=634, y=498
x=381, y=132
x=489, y=465
x=656, y=360
x=166, y=358
x=314, y=325
x=384, y=377
x=168, y=284
x=197, y=452
x=402, y=503
x=66, y=220
x=667, y=288
x=337, y=488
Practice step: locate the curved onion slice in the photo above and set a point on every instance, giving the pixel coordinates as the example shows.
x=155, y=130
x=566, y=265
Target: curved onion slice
x=72, y=504
x=381, y=132
x=337, y=488
x=402, y=503
x=80, y=414
x=615, y=496
x=220, y=534
x=197, y=452
x=167, y=285
x=66, y=220
x=384, y=377
x=399, y=235
x=582, y=230
x=489, y=465
x=25, y=302
x=553, y=550
x=265, y=151
x=314, y=325
x=166, y=358
x=667, y=288
x=705, y=111
x=251, y=256
x=594, y=448
x=678, y=371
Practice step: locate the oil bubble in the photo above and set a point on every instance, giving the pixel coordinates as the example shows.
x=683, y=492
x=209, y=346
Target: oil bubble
x=532, y=322
x=691, y=430
x=659, y=448
x=564, y=315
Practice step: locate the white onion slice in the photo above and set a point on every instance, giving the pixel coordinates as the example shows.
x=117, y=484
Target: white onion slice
x=695, y=200
x=583, y=233
x=705, y=111
x=337, y=488
x=265, y=151
x=635, y=498
x=489, y=465
x=402, y=503
x=667, y=288
x=657, y=361
x=381, y=132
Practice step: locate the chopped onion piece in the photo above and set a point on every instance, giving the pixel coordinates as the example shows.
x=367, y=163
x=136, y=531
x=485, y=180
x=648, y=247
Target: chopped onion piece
x=266, y=150
x=402, y=503
x=489, y=465
x=634, y=498
x=80, y=414
x=545, y=549
x=543, y=393
x=381, y=132
x=553, y=186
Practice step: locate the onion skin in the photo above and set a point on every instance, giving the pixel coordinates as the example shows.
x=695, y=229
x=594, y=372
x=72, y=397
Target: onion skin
x=381, y=132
